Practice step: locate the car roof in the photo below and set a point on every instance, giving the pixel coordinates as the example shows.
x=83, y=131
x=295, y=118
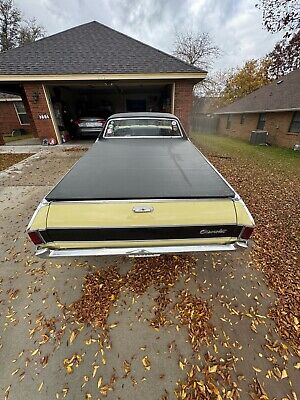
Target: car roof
x=143, y=114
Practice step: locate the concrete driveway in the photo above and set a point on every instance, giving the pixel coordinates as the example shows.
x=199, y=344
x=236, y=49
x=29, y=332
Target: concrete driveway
x=47, y=354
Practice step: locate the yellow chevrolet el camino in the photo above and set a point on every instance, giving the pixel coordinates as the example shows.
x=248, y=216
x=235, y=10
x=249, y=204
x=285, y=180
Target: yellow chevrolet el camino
x=142, y=189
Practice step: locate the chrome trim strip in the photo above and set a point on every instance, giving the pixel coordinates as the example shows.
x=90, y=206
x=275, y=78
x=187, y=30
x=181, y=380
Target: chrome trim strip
x=138, y=251
x=145, y=201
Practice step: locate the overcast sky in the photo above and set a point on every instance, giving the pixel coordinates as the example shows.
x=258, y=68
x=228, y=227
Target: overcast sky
x=235, y=25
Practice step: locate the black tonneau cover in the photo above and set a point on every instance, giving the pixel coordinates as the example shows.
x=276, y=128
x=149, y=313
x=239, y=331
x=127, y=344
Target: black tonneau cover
x=141, y=169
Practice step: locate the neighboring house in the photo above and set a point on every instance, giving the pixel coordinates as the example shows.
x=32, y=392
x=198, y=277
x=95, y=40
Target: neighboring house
x=274, y=108
x=93, y=70
x=12, y=114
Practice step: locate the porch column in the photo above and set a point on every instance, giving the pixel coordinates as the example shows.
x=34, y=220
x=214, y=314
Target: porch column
x=36, y=103
x=183, y=101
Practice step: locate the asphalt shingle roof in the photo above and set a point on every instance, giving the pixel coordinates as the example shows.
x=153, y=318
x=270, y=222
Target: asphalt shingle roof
x=89, y=49
x=282, y=94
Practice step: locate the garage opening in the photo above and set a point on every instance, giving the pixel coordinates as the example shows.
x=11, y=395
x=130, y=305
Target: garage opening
x=81, y=109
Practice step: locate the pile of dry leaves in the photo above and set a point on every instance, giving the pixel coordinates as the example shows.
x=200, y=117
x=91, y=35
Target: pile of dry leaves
x=210, y=382
x=194, y=313
x=102, y=288
x=100, y=291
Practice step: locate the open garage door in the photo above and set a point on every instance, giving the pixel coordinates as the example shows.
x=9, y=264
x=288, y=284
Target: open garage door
x=81, y=108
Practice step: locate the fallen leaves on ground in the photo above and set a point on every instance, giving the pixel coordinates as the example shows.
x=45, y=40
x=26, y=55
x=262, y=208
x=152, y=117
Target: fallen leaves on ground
x=100, y=291
x=194, y=313
x=213, y=381
x=70, y=363
x=273, y=197
x=162, y=273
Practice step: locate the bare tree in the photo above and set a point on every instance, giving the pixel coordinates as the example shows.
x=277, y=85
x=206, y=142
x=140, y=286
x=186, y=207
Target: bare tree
x=14, y=30
x=213, y=85
x=30, y=31
x=10, y=18
x=196, y=49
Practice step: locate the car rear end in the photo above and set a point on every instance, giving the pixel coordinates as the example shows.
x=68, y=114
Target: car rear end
x=89, y=126
x=137, y=228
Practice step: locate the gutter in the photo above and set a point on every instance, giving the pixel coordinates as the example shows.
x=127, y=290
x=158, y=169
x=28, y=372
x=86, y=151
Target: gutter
x=100, y=77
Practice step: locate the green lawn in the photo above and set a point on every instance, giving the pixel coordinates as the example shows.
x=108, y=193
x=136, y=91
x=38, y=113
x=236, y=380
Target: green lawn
x=8, y=139
x=229, y=147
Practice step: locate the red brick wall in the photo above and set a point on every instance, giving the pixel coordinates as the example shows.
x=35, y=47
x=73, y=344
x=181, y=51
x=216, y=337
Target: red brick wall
x=9, y=119
x=277, y=125
x=183, y=101
x=44, y=127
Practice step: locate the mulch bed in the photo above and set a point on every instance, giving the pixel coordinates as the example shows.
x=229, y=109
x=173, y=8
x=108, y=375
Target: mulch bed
x=7, y=160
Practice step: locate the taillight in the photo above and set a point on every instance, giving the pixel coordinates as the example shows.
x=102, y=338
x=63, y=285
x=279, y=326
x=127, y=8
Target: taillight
x=36, y=237
x=247, y=232
x=77, y=122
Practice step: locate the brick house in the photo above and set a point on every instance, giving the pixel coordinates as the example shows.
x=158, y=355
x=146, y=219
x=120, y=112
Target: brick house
x=90, y=69
x=274, y=108
x=13, y=115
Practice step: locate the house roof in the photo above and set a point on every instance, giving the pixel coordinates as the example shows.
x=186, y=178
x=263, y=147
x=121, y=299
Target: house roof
x=91, y=48
x=9, y=97
x=280, y=95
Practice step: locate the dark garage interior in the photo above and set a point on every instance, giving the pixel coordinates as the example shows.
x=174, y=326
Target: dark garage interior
x=72, y=101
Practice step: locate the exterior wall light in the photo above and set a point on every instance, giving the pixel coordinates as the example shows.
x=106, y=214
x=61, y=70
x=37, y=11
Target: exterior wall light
x=35, y=97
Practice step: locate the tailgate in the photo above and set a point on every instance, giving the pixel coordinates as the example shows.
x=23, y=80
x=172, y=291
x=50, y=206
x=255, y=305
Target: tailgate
x=83, y=221
x=124, y=214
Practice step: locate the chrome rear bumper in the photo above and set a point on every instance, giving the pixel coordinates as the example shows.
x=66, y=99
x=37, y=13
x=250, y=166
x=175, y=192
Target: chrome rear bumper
x=139, y=252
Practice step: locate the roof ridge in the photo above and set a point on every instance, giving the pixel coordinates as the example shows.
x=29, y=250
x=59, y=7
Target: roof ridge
x=263, y=89
x=152, y=47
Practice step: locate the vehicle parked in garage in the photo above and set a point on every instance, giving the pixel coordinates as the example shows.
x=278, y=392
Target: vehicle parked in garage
x=89, y=126
x=142, y=189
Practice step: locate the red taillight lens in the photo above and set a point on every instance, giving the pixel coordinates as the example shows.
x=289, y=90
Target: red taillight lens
x=36, y=237
x=247, y=232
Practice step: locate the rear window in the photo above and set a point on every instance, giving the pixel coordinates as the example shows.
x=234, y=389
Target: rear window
x=142, y=127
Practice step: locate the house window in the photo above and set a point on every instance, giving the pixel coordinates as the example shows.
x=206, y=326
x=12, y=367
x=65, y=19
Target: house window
x=228, y=123
x=261, y=121
x=242, y=119
x=295, y=123
x=21, y=113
